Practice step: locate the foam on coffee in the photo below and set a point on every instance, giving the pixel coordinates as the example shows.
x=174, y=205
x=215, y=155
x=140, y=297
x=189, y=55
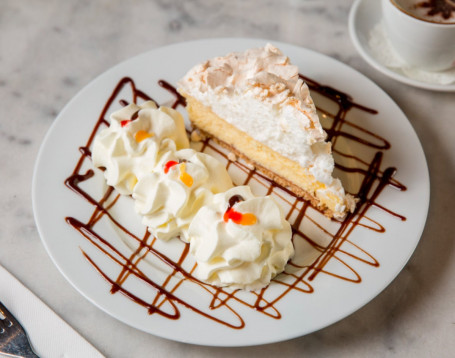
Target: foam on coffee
x=438, y=11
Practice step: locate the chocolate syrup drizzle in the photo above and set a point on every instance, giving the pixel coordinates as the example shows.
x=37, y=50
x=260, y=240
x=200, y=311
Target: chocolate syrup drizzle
x=234, y=200
x=298, y=277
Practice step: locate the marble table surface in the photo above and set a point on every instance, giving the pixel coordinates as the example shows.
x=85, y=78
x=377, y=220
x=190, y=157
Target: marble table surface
x=50, y=49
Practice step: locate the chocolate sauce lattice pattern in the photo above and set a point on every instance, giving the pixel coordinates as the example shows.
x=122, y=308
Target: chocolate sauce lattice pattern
x=358, y=156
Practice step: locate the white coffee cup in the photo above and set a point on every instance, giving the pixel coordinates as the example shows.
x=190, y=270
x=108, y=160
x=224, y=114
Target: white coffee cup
x=422, y=43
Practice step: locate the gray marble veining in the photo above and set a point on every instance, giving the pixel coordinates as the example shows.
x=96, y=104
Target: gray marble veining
x=50, y=49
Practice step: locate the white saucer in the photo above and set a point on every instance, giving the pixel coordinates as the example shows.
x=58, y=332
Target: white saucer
x=364, y=15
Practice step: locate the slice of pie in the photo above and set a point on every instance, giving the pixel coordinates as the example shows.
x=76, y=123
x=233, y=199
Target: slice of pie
x=255, y=104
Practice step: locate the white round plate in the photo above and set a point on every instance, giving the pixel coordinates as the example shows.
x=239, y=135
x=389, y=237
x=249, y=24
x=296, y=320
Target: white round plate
x=364, y=15
x=301, y=313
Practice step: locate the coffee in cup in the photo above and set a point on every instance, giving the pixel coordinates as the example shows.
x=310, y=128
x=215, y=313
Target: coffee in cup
x=437, y=11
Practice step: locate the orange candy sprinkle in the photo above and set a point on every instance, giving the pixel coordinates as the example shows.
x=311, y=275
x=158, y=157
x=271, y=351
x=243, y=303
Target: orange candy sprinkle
x=184, y=176
x=239, y=218
x=141, y=135
x=248, y=219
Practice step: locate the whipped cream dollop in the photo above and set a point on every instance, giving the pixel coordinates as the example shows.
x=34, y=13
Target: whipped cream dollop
x=135, y=139
x=262, y=85
x=240, y=240
x=172, y=193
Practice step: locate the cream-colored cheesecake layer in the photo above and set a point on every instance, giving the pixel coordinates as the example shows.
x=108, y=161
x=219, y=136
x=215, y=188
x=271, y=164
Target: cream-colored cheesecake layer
x=283, y=170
